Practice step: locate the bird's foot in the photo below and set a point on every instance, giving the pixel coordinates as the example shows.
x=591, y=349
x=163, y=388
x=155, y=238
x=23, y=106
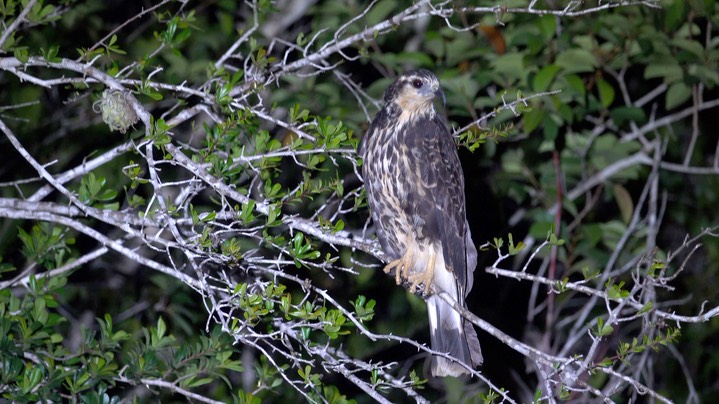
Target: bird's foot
x=425, y=277
x=401, y=267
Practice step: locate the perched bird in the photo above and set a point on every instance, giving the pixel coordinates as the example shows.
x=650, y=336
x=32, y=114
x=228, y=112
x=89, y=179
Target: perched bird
x=415, y=190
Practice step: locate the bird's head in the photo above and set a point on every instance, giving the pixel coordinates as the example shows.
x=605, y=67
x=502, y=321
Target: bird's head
x=414, y=92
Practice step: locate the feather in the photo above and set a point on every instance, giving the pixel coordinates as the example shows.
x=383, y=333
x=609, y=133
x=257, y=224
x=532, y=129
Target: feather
x=449, y=332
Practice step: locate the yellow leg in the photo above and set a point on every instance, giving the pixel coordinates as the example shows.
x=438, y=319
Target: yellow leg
x=425, y=277
x=401, y=266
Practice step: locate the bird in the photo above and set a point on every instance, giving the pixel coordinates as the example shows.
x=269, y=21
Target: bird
x=415, y=191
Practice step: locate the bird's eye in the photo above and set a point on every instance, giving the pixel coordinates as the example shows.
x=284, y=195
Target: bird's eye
x=417, y=83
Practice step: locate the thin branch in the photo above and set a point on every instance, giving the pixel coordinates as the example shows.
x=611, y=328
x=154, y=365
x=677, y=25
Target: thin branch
x=16, y=23
x=699, y=318
x=174, y=388
x=24, y=277
x=113, y=244
x=124, y=24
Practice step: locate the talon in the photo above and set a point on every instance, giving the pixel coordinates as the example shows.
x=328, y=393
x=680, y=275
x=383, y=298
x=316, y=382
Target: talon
x=425, y=277
x=401, y=267
x=397, y=266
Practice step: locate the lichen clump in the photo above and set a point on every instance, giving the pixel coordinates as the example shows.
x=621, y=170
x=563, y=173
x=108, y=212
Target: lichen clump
x=116, y=110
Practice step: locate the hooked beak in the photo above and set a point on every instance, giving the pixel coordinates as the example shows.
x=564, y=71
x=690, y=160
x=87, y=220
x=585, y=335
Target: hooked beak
x=439, y=94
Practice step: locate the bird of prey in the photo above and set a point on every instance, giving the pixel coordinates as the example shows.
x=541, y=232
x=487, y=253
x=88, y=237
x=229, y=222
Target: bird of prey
x=415, y=190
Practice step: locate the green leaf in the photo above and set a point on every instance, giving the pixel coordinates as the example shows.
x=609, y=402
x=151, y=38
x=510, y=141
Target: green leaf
x=415, y=58
x=192, y=382
x=511, y=64
x=606, y=93
x=247, y=214
x=161, y=328
x=616, y=291
x=562, y=285
x=380, y=12
x=675, y=14
x=532, y=119
x=693, y=47
x=577, y=84
x=670, y=71
x=577, y=61
x=648, y=306
x=624, y=201
x=554, y=240
x=602, y=330
x=605, y=363
x=273, y=215
x=113, y=48
x=589, y=273
x=677, y=94
x=551, y=126
x=623, y=115
x=547, y=25
x=708, y=75
x=515, y=249
x=31, y=378
x=544, y=77
x=21, y=53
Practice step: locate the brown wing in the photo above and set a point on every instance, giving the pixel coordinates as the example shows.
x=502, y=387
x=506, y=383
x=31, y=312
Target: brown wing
x=442, y=179
x=441, y=176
